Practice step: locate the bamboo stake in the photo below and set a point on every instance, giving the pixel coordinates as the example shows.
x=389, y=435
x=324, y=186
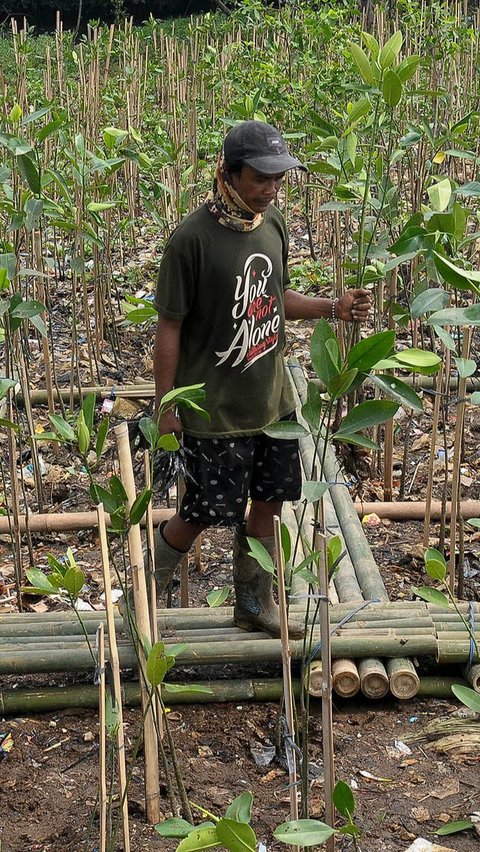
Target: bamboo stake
x=287, y=672
x=327, y=716
x=102, y=754
x=115, y=667
x=457, y=455
x=152, y=585
x=152, y=790
x=431, y=458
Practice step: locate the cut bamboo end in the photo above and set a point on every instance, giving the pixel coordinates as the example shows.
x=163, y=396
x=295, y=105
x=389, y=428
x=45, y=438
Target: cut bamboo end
x=313, y=679
x=374, y=681
x=403, y=678
x=345, y=678
x=472, y=676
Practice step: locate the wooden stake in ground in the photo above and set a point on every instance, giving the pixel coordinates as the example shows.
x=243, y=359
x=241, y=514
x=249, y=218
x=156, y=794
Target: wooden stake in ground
x=115, y=667
x=102, y=753
x=327, y=719
x=287, y=671
x=142, y=619
x=152, y=586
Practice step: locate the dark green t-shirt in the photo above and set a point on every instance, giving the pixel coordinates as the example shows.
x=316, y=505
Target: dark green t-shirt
x=228, y=286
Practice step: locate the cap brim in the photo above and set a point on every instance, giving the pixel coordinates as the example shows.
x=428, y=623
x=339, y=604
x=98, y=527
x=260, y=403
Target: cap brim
x=274, y=165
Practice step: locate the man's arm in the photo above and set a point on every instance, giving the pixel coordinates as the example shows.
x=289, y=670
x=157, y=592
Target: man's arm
x=165, y=361
x=353, y=306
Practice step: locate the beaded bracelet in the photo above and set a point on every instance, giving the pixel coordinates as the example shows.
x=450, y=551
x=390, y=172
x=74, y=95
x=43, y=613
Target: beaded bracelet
x=334, y=312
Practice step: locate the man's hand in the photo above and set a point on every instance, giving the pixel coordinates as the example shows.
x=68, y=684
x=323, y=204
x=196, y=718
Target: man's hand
x=168, y=422
x=353, y=306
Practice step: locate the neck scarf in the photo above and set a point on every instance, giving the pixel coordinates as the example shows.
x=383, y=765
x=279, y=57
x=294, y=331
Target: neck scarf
x=226, y=206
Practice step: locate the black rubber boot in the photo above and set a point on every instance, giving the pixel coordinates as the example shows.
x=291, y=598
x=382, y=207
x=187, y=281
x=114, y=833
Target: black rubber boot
x=255, y=607
x=166, y=560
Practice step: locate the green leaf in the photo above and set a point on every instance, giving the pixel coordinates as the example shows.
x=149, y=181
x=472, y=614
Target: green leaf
x=465, y=366
x=174, y=827
x=187, y=392
x=362, y=62
x=358, y=110
x=83, y=435
x=261, y=554
x=340, y=384
x=454, y=827
x=440, y=194
x=334, y=551
x=33, y=212
x=149, y=430
x=39, y=324
x=390, y=50
x=99, y=206
x=25, y=310
x=118, y=490
x=286, y=542
x=369, y=413
x=433, y=553
x=462, y=279
x=313, y=491
x=100, y=494
x=433, y=299
x=286, y=429
x=303, y=832
x=398, y=391
x=112, y=716
x=9, y=424
x=88, y=409
x=467, y=696
x=236, y=836
x=431, y=595
x=367, y=352
x=392, y=88
x=435, y=569
x=324, y=367
x=240, y=809
x=169, y=442
x=218, y=596
x=29, y=172
x=357, y=440
x=198, y=840
x=407, y=68
x=343, y=799
x=101, y=436
x=474, y=522
x=419, y=360
x=469, y=190
x=157, y=665
x=139, y=506
x=62, y=427
x=40, y=581
x=5, y=385
x=73, y=581
x=456, y=316
x=312, y=408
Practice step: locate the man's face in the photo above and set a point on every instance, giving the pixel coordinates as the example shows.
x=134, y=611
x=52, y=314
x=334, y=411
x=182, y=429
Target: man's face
x=255, y=189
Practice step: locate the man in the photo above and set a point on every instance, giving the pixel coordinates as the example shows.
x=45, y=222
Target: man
x=223, y=296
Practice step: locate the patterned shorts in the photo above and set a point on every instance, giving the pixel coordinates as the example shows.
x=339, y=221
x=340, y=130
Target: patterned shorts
x=223, y=472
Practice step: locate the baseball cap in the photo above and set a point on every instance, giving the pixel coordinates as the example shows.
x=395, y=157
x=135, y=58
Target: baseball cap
x=260, y=146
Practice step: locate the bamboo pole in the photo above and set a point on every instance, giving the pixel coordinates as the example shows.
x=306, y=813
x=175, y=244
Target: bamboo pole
x=457, y=456
x=373, y=678
x=102, y=751
x=402, y=511
x=403, y=678
x=345, y=678
x=472, y=676
x=142, y=625
x=327, y=715
x=289, y=740
x=115, y=668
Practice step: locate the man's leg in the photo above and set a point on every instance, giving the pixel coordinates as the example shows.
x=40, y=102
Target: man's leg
x=260, y=518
